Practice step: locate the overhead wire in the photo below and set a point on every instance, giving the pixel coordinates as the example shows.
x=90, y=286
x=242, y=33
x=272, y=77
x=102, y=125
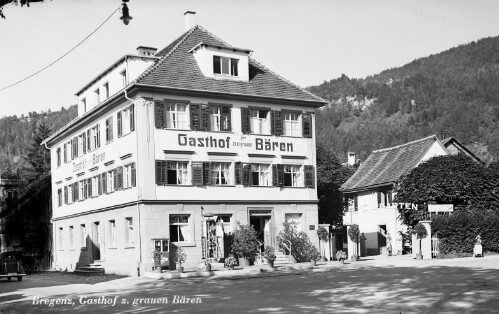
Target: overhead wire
x=58, y=59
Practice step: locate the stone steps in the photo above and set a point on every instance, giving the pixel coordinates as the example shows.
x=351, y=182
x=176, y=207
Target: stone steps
x=94, y=268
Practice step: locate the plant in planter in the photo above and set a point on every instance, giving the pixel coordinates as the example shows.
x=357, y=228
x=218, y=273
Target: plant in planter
x=300, y=242
x=353, y=233
x=230, y=262
x=179, y=259
x=269, y=255
x=420, y=231
x=323, y=235
x=341, y=256
x=245, y=244
x=313, y=255
x=207, y=264
x=157, y=260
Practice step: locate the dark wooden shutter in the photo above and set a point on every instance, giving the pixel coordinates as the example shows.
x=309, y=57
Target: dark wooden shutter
x=195, y=112
x=76, y=193
x=89, y=140
x=66, y=194
x=159, y=115
x=104, y=183
x=355, y=203
x=247, y=174
x=238, y=173
x=280, y=175
x=85, y=142
x=274, y=175
x=205, y=117
x=197, y=173
x=85, y=189
x=132, y=118
x=99, y=185
x=379, y=199
x=245, y=120
x=276, y=122
x=309, y=176
x=133, y=174
x=111, y=129
x=160, y=172
x=120, y=126
x=206, y=173
x=307, y=124
x=118, y=178
x=226, y=116
x=97, y=134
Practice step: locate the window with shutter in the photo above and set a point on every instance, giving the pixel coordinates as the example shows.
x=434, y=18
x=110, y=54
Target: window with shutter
x=280, y=175
x=85, y=142
x=89, y=140
x=120, y=125
x=119, y=178
x=274, y=175
x=206, y=173
x=97, y=132
x=247, y=175
x=99, y=184
x=307, y=124
x=104, y=182
x=195, y=112
x=309, y=176
x=160, y=172
x=159, y=114
x=197, y=173
x=205, y=118
x=225, y=124
x=238, y=173
x=65, y=195
x=245, y=120
x=134, y=173
x=132, y=118
x=276, y=122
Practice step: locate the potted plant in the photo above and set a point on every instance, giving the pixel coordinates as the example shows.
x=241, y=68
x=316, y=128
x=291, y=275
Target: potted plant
x=207, y=264
x=420, y=231
x=269, y=255
x=157, y=260
x=179, y=259
x=341, y=256
x=314, y=255
x=323, y=235
x=245, y=244
x=353, y=233
x=230, y=262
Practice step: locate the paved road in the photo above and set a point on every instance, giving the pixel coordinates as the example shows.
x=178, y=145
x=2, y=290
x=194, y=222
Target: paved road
x=377, y=286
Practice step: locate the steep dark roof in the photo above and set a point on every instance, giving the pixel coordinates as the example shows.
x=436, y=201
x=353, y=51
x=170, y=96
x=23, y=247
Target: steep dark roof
x=177, y=68
x=387, y=165
x=452, y=140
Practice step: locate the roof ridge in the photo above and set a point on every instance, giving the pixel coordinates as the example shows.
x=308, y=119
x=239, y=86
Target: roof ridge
x=152, y=67
x=215, y=36
x=289, y=82
x=405, y=144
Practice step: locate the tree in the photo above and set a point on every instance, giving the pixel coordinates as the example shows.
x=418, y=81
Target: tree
x=330, y=176
x=453, y=179
x=16, y=2
x=38, y=155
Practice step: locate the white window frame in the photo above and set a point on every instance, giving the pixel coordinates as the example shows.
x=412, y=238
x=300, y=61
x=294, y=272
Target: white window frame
x=125, y=121
x=95, y=186
x=127, y=176
x=221, y=172
x=83, y=235
x=81, y=190
x=80, y=145
x=177, y=116
x=71, y=236
x=110, y=181
x=295, y=172
x=129, y=230
x=259, y=124
x=177, y=224
x=291, y=124
x=264, y=174
x=70, y=194
x=182, y=173
x=228, y=61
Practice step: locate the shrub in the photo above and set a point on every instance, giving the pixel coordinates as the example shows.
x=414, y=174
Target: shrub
x=457, y=232
x=180, y=256
x=300, y=242
x=323, y=234
x=269, y=254
x=353, y=232
x=245, y=242
x=313, y=253
x=230, y=262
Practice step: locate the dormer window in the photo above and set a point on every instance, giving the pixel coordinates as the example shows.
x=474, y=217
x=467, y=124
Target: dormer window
x=224, y=65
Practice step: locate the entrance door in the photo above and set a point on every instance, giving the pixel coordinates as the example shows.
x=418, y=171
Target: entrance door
x=95, y=241
x=263, y=224
x=382, y=239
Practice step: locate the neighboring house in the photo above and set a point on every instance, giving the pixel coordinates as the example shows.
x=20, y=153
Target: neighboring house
x=167, y=142
x=370, y=191
x=455, y=147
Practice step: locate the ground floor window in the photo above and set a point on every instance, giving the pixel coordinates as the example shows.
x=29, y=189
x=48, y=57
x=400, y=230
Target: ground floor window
x=112, y=232
x=129, y=230
x=83, y=235
x=71, y=237
x=179, y=228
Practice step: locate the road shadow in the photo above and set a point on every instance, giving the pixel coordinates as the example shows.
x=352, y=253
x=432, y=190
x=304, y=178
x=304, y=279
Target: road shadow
x=365, y=289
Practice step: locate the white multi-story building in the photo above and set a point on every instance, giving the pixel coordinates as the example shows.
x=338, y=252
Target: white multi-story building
x=167, y=142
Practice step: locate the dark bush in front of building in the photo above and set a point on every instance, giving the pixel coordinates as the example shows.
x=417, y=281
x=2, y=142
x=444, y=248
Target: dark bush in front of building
x=457, y=233
x=300, y=242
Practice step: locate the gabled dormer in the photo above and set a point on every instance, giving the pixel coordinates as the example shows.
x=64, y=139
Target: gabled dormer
x=221, y=62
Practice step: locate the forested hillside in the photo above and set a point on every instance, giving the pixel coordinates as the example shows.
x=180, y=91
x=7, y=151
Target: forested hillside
x=453, y=93
x=17, y=135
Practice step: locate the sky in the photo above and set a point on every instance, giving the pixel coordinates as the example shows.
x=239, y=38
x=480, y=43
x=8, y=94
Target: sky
x=304, y=41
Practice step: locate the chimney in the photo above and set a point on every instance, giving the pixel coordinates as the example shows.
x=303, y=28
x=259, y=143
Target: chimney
x=351, y=158
x=189, y=19
x=146, y=51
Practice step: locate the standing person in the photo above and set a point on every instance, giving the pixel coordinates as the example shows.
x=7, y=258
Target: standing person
x=389, y=244
x=220, y=239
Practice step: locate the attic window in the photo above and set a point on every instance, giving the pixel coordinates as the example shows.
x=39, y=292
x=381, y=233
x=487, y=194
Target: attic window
x=224, y=65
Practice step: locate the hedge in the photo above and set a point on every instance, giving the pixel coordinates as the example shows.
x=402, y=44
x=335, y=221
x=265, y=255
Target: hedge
x=457, y=232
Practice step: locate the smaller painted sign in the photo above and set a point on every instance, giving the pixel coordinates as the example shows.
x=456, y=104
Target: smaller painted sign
x=435, y=208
